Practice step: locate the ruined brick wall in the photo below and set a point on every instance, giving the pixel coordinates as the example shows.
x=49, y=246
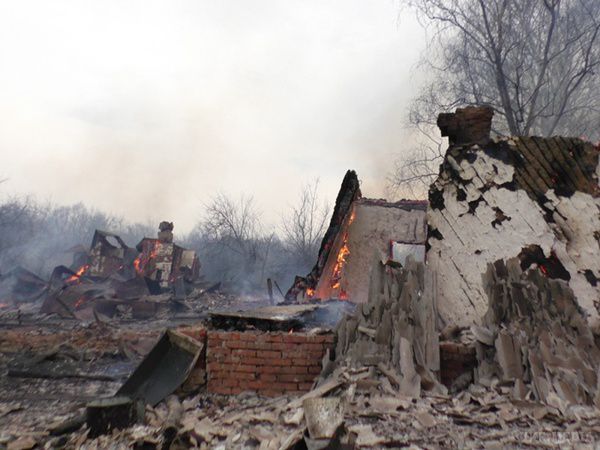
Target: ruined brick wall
x=280, y=363
x=269, y=363
x=537, y=199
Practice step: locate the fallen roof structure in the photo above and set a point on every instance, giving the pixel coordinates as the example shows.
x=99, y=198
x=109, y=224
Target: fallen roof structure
x=534, y=198
x=109, y=254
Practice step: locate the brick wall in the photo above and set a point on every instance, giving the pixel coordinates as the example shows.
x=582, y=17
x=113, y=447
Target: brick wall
x=277, y=363
x=455, y=360
x=269, y=363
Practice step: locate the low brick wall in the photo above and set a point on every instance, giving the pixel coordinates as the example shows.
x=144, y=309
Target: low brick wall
x=272, y=363
x=455, y=360
x=269, y=363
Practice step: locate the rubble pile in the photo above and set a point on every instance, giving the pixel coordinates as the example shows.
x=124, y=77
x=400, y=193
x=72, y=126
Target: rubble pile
x=395, y=331
x=354, y=409
x=111, y=279
x=536, y=338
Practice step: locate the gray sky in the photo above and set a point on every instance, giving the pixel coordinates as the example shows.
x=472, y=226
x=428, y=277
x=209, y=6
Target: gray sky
x=145, y=109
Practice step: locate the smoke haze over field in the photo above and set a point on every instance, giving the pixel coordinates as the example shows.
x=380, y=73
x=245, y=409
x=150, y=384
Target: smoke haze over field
x=145, y=109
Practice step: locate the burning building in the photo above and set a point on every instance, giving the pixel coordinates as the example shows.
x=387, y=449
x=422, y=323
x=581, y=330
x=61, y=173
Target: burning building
x=109, y=254
x=534, y=198
x=165, y=263
x=359, y=228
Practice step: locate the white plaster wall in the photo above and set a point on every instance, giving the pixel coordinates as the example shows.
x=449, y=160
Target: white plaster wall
x=373, y=228
x=470, y=241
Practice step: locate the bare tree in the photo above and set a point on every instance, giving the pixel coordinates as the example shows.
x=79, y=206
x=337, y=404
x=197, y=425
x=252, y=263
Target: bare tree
x=233, y=225
x=231, y=241
x=38, y=236
x=534, y=62
x=304, y=226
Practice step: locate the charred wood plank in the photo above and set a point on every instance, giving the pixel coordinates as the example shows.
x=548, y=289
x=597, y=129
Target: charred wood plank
x=107, y=414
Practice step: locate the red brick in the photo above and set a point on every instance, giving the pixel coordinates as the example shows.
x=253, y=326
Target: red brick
x=230, y=382
x=252, y=361
x=267, y=377
x=275, y=362
x=305, y=386
x=263, y=346
x=270, y=369
x=314, y=369
x=290, y=354
x=268, y=354
x=247, y=336
x=246, y=368
x=302, y=362
x=240, y=375
x=275, y=337
x=292, y=369
x=296, y=338
x=237, y=344
x=255, y=384
x=214, y=335
x=244, y=353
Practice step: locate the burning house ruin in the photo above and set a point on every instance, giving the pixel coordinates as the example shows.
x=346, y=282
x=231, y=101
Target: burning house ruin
x=109, y=255
x=361, y=227
x=112, y=274
x=165, y=263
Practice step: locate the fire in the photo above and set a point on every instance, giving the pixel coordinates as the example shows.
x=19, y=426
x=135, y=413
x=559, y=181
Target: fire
x=141, y=261
x=83, y=269
x=80, y=301
x=336, y=276
x=310, y=292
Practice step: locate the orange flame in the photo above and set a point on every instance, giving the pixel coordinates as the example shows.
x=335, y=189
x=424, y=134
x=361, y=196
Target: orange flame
x=310, y=292
x=80, y=301
x=142, y=261
x=83, y=269
x=336, y=276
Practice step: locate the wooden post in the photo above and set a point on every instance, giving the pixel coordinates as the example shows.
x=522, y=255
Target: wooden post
x=270, y=289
